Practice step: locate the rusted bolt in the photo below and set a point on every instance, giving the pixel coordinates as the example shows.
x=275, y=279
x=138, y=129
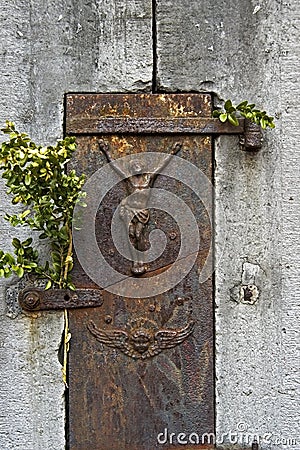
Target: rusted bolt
x=108, y=319
x=31, y=300
x=151, y=308
x=111, y=252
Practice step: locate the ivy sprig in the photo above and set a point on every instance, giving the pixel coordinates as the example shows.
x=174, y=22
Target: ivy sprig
x=231, y=114
x=36, y=178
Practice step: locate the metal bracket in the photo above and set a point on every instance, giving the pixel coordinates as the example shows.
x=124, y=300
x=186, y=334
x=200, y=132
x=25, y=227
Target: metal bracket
x=252, y=137
x=249, y=132
x=103, y=114
x=36, y=299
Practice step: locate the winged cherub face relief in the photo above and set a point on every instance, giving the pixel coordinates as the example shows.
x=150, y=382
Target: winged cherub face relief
x=143, y=338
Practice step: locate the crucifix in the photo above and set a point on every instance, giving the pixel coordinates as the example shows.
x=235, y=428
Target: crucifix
x=134, y=210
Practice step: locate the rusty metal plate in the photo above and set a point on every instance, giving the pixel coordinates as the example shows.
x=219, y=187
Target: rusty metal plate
x=142, y=368
x=133, y=113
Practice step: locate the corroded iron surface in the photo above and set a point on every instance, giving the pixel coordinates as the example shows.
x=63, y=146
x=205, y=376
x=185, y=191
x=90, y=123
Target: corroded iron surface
x=251, y=139
x=153, y=126
x=138, y=366
x=144, y=113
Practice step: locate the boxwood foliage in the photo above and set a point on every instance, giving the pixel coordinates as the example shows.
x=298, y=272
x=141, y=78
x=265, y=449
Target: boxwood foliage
x=36, y=178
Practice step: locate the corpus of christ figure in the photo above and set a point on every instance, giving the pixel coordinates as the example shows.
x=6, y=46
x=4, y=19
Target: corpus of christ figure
x=134, y=209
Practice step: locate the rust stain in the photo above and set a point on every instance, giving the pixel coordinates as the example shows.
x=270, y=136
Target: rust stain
x=204, y=366
x=35, y=339
x=146, y=391
x=172, y=372
x=113, y=401
x=122, y=145
x=207, y=140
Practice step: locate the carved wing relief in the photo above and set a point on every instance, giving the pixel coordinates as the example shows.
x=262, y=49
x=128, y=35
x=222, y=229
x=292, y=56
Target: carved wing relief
x=143, y=341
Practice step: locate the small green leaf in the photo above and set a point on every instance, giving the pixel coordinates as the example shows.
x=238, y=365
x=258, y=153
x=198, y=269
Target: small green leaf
x=216, y=113
x=223, y=117
x=33, y=265
x=48, y=285
x=9, y=258
x=71, y=286
x=263, y=123
x=228, y=105
x=16, y=243
x=63, y=233
x=27, y=179
x=16, y=199
x=57, y=267
x=231, y=110
x=242, y=105
x=56, y=257
x=20, y=272
x=27, y=242
x=25, y=214
x=233, y=120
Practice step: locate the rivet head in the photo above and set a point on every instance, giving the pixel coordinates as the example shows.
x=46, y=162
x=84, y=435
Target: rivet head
x=180, y=301
x=173, y=235
x=108, y=319
x=151, y=308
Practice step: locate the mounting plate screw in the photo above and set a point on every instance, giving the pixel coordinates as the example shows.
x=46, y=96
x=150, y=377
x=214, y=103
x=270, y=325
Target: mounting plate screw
x=31, y=300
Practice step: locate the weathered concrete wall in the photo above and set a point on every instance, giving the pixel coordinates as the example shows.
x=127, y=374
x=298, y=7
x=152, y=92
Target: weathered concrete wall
x=247, y=49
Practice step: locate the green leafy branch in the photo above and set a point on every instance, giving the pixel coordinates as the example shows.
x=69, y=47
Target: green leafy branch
x=231, y=114
x=36, y=178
